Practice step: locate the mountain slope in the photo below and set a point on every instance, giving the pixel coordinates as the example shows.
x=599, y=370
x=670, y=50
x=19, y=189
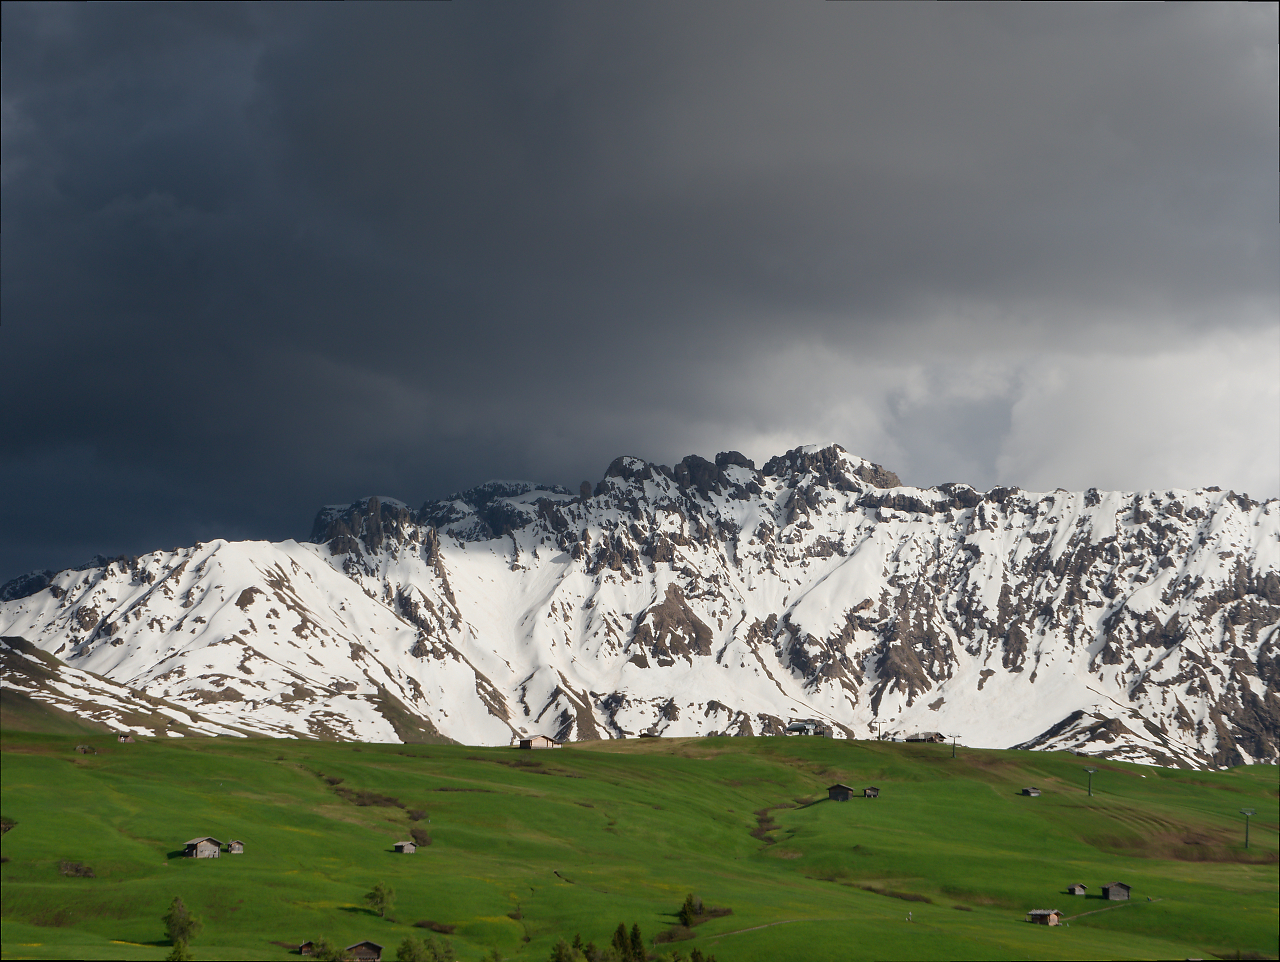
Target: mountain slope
x=714, y=597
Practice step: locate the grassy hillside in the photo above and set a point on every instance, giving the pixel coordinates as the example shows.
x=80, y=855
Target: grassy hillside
x=530, y=846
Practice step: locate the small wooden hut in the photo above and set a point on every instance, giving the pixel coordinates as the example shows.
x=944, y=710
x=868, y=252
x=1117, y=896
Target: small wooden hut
x=235, y=847
x=205, y=847
x=306, y=947
x=1116, y=891
x=125, y=738
x=408, y=848
x=1078, y=889
x=539, y=741
x=364, y=952
x=840, y=793
x=1045, y=916
x=871, y=792
x=1033, y=792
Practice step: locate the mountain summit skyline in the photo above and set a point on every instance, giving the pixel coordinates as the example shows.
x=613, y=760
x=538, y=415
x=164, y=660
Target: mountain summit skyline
x=710, y=596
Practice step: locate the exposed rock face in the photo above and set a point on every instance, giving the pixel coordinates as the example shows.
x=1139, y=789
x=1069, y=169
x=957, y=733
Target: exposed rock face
x=714, y=597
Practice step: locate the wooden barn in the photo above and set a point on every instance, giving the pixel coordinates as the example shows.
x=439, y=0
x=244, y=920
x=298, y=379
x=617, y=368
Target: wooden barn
x=408, y=848
x=1045, y=916
x=306, y=948
x=537, y=741
x=364, y=952
x=1078, y=889
x=1116, y=891
x=1033, y=792
x=871, y=792
x=206, y=847
x=840, y=793
x=125, y=738
x=235, y=847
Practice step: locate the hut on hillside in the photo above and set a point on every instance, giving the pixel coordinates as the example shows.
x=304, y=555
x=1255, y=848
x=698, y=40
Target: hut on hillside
x=86, y=750
x=204, y=847
x=364, y=952
x=936, y=738
x=1045, y=916
x=840, y=793
x=1116, y=891
x=1078, y=889
x=235, y=847
x=871, y=792
x=1033, y=792
x=538, y=741
x=306, y=947
x=125, y=738
x=408, y=848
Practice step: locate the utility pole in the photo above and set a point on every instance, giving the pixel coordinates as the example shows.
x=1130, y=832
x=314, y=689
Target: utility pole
x=1246, y=812
x=953, y=746
x=1090, y=771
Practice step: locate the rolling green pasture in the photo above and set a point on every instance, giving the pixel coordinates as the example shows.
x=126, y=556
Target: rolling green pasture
x=531, y=846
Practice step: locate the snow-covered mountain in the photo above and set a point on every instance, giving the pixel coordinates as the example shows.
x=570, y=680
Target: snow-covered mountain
x=711, y=597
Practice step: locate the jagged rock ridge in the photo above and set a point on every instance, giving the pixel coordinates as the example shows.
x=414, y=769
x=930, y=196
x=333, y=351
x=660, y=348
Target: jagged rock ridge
x=713, y=596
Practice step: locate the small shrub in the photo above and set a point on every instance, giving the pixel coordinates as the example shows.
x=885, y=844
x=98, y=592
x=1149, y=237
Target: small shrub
x=420, y=836
x=431, y=950
x=416, y=814
x=694, y=912
x=362, y=797
x=325, y=951
x=440, y=927
x=6, y=823
x=381, y=899
x=677, y=933
x=75, y=870
x=179, y=924
x=334, y=780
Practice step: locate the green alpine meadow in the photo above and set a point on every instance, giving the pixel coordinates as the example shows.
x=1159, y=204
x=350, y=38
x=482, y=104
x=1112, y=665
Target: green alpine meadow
x=518, y=850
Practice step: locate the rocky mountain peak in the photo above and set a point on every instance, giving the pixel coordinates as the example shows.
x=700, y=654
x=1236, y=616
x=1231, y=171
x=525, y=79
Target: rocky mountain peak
x=712, y=597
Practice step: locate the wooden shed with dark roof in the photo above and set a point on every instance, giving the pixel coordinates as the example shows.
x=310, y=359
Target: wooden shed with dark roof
x=1045, y=916
x=364, y=952
x=408, y=848
x=1116, y=891
x=235, y=847
x=1033, y=792
x=871, y=792
x=840, y=793
x=1078, y=889
x=205, y=847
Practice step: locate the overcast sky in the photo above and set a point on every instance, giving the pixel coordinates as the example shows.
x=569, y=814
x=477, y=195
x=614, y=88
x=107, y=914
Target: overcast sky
x=261, y=258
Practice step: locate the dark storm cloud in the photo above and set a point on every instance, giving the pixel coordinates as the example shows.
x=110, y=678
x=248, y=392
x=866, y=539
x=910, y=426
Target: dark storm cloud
x=258, y=258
